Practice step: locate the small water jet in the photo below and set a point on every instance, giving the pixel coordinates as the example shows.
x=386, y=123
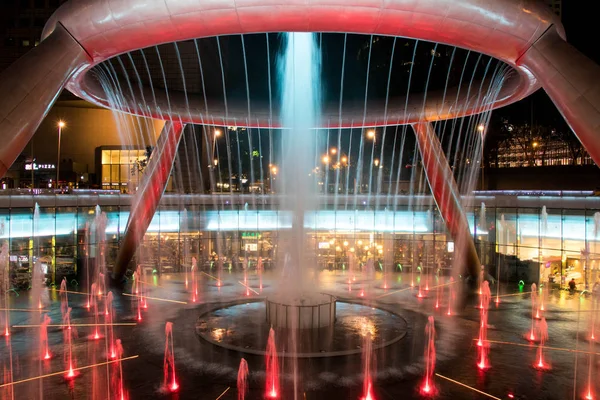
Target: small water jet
x=259, y=271
x=118, y=387
x=367, y=360
x=542, y=329
x=194, y=273
x=38, y=294
x=170, y=379
x=482, y=343
x=108, y=320
x=428, y=387
x=64, y=297
x=540, y=302
x=44, y=347
x=451, y=296
x=242, y=380
x=271, y=368
x=68, y=334
x=531, y=336
x=96, y=334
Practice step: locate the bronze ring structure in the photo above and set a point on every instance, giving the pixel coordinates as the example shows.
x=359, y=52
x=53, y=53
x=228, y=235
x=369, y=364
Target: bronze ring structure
x=84, y=33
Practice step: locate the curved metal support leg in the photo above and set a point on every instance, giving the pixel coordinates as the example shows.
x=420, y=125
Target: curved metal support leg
x=572, y=82
x=30, y=87
x=446, y=195
x=149, y=193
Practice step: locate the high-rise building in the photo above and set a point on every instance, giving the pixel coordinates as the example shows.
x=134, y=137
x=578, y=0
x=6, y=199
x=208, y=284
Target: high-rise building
x=555, y=5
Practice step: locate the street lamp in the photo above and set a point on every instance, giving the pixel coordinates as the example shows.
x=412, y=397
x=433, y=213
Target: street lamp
x=481, y=128
x=376, y=162
x=325, y=159
x=344, y=159
x=333, y=150
x=61, y=125
x=371, y=134
x=217, y=133
x=535, y=144
x=274, y=170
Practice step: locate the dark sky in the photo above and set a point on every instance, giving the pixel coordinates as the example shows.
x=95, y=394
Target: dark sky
x=582, y=29
x=581, y=25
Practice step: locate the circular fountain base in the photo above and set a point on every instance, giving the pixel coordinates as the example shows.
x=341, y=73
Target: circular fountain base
x=301, y=311
x=242, y=327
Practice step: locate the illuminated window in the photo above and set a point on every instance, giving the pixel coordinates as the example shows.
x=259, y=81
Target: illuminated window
x=114, y=156
x=125, y=173
x=125, y=157
x=105, y=157
x=105, y=174
x=114, y=174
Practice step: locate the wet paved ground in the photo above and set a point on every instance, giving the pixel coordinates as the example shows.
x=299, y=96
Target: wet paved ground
x=205, y=371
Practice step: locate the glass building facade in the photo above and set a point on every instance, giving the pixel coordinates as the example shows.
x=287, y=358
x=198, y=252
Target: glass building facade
x=119, y=167
x=534, y=238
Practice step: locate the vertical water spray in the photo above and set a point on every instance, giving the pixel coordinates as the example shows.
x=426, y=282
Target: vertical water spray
x=367, y=360
x=428, y=387
x=299, y=77
x=118, y=372
x=272, y=368
x=64, y=299
x=482, y=220
x=108, y=320
x=451, y=296
x=4, y=288
x=439, y=292
x=541, y=302
x=100, y=222
x=37, y=278
x=259, y=271
x=194, y=273
x=44, y=347
x=299, y=74
x=170, y=379
x=542, y=326
x=138, y=292
x=482, y=343
x=68, y=333
x=532, y=336
x=242, y=379
x=591, y=378
x=96, y=334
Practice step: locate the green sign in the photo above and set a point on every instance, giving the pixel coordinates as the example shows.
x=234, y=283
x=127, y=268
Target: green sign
x=251, y=235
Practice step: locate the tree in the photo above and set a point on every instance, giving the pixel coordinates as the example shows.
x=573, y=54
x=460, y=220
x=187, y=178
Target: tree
x=139, y=165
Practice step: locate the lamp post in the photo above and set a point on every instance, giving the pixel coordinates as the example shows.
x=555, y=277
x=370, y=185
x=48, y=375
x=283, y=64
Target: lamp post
x=214, y=143
x=61, y=125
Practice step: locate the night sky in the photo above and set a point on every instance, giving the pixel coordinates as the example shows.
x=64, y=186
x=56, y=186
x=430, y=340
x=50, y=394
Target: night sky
x=582, y=29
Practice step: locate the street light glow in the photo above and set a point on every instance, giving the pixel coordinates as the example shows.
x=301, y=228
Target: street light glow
x=344, y=159
x=217, y=133
x=274, y=170
x=481, y=128
x=61, y=124
x=325, y=159
x=535, y=144
x=371, y=134
x=333, y=150
x=376, y=162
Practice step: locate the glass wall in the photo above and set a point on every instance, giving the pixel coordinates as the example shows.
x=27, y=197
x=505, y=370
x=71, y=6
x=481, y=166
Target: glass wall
x=554, y=245
x=120, y=168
